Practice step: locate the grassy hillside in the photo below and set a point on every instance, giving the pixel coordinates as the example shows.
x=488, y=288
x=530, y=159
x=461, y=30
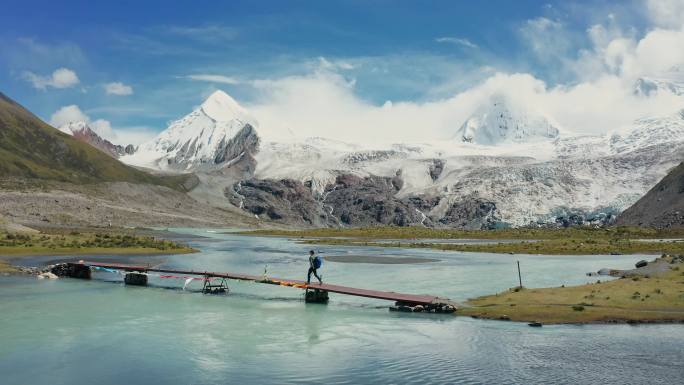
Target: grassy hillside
x=30, y=148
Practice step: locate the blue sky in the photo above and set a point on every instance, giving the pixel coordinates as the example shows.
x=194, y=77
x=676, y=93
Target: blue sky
x=160, y=58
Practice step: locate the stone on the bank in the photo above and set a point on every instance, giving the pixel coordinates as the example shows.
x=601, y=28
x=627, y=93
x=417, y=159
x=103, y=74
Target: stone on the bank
x=47, y=275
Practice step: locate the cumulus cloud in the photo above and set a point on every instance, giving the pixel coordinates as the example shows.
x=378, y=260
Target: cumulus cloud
x=118, y=88
x=60, y=78
x=666, y=13
x=68, y=114
x=72, y=114
x=324, y=103
x=456, y=40
x=120, y=135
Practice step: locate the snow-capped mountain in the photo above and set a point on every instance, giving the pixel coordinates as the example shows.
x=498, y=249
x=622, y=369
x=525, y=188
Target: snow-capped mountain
x=510, y=166
x=649, y=131
x=499, y=121
x=650, y=86
x=671, y=81
x=211, y=136
x=81, y=131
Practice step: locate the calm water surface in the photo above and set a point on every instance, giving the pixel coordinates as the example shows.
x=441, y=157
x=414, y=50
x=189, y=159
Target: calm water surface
x=85, y=332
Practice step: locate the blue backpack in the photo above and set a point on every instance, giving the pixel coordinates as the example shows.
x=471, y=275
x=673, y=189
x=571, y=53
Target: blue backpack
x=317, y=262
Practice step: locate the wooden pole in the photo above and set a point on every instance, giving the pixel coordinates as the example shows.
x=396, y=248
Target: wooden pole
x=519, y=276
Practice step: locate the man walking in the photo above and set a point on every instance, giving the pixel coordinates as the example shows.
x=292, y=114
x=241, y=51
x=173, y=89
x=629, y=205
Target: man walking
x=314, y=265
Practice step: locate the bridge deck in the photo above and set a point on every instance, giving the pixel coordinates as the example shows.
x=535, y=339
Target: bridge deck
x=386, y=295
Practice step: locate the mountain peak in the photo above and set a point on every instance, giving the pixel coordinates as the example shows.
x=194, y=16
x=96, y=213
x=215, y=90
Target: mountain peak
x=209, y=137
x=73, y=127
x=221, y=107
x=500, y=120
x=82, y=132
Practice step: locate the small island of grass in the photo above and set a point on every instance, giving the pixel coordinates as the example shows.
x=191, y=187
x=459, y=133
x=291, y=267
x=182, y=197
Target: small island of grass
x=16, y=245
x=637, y=297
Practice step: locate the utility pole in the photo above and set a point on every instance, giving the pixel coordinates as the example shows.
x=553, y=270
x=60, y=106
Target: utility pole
x=519, y=276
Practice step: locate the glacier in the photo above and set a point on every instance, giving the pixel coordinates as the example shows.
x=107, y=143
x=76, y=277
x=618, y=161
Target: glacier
x=506, y=165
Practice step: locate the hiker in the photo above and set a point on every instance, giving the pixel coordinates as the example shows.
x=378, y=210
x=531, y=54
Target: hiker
x=314, y=265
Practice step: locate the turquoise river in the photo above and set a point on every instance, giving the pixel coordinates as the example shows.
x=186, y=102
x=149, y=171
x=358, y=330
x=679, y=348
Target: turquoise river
x=70, y=331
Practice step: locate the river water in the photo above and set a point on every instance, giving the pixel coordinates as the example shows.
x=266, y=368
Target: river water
x=101, y=332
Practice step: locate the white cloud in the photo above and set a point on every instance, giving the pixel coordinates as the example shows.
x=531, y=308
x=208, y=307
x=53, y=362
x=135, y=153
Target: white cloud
x=213, y=78
x=118, y=88
x=72, y=113
x=135, y=135
x=547, y=39
x=456, y=40
x=68, y=114
x=103, y=128
x=324, y=103
x=205, y=33
x=326, y=64
x=60, y=78
x=666, y=13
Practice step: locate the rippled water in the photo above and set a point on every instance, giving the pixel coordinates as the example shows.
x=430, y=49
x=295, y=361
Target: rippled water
x=84, y=332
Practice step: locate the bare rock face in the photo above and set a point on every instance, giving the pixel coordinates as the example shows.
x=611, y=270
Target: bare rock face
x=436, y=169
x=471, y=214
x=357, y=201
x=130, y=149
x=285, y=200
x=245, y=141
x=662, y=206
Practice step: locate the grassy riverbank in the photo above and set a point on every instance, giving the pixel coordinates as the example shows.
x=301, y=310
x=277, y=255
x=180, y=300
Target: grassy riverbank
x=61, y=242
x=587, y=246
x=570, y=241
x=657, y=297
x=394, y=232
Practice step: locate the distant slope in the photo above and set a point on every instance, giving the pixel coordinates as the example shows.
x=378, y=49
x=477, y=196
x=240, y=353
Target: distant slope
x=82, y=132
x=30, y=148
x=662, y=206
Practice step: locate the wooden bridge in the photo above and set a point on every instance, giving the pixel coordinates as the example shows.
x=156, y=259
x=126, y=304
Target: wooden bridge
x=315, y=292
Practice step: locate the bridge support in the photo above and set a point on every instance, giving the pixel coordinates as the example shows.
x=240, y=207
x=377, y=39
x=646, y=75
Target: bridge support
x=214, y=288
x=316, y=296
x=135, y=278
x=71, y=270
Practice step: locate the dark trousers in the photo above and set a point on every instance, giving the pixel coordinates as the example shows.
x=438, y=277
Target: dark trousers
x=315, y=273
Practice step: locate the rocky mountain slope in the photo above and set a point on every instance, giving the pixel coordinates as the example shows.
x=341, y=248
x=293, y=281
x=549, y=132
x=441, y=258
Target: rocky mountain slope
x=81, y=131
x=509, y=166
x=662, y=206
